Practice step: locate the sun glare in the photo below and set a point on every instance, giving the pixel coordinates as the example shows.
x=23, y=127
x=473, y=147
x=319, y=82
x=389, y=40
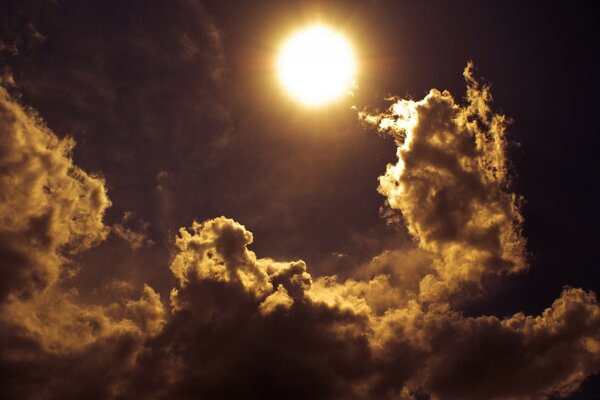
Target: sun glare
x=316, y=65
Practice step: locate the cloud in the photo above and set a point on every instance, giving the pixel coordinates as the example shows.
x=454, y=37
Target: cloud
x=50, y=208
x=519, y=357
x=51, y=211
x=239, y=325
x=263, y=327
x=451, y=185
x=245, y=326
x=280, y=332
x=133, y=231
x=138, y=97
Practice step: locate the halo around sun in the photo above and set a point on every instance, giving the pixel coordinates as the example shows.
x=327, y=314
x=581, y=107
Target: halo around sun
x=316, y=65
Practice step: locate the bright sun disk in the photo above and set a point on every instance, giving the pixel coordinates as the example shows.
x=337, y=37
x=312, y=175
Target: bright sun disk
x=316, y=65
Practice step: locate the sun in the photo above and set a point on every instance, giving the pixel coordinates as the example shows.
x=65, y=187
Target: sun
x=316, y=65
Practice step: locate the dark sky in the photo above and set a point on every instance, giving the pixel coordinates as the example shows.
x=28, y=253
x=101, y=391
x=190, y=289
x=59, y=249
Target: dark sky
x=177, y=116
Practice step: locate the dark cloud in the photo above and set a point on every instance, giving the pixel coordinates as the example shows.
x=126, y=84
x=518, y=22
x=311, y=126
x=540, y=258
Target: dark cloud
x=243, y=326
x=233, y=334
x=519, y=357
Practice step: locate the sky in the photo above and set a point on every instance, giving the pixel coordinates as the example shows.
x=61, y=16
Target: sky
x=173, y=225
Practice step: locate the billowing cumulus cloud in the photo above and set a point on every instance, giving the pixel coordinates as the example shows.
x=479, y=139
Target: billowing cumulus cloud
x=238, y=325
x=51, y=210
x=50, y=207
x=244, y=326
x=519, y=357
x=451, y=185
